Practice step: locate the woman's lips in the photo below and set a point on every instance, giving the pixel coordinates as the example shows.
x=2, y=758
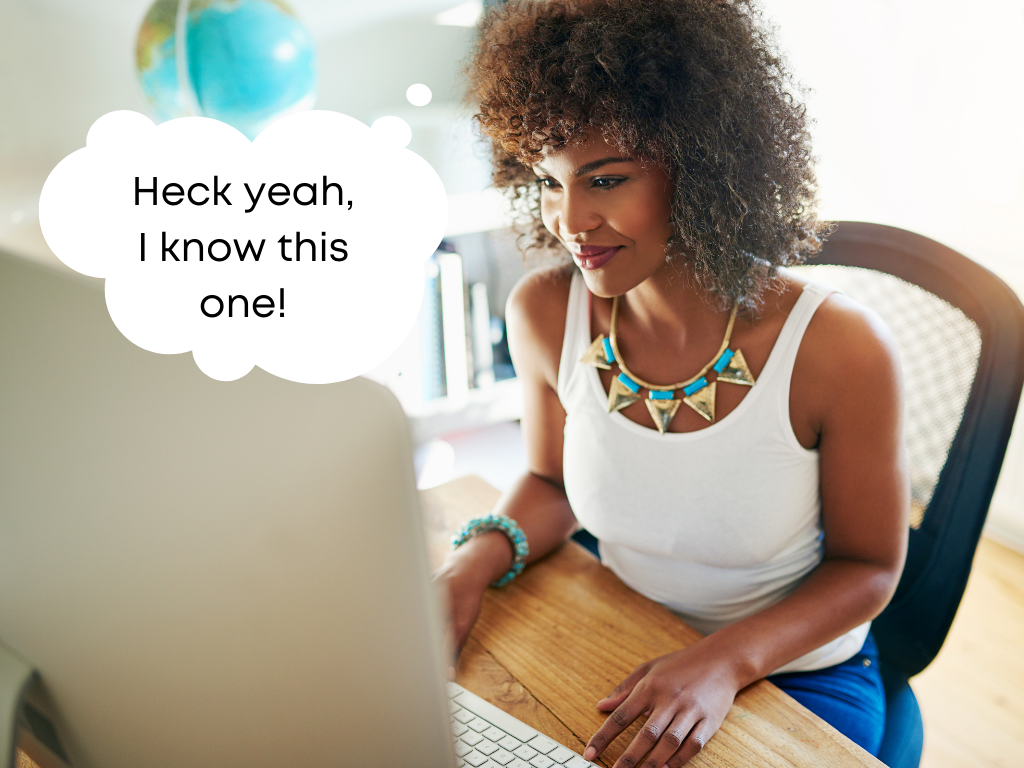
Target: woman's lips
x=594, y=257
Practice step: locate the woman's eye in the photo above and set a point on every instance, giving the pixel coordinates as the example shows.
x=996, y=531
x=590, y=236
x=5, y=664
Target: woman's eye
x=607, y=182
x=548, y=183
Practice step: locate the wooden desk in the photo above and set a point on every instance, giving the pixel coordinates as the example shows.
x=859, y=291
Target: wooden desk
x=564, y=633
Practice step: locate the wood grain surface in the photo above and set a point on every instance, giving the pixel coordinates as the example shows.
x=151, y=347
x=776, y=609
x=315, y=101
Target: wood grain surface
x=561, y=636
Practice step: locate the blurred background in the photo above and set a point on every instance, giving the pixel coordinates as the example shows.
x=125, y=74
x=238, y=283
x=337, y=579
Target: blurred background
x=919, y=123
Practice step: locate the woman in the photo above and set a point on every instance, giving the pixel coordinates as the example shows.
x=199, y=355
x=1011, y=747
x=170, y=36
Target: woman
x=730, y=434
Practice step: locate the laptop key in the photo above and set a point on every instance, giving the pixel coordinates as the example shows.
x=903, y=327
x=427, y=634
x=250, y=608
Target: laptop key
x=459, y=728
x=478, y=725
x=560, y=755
x=463, y=715
x=541, y=743
x=517, y=763
x=525, y=752
x=503, y=757
x=461, y=749
x=542, y=761
x=475, y=759
x=472, y=738
x=487, y=747
x=578, y=762
x=494, y=734
x=510, y=743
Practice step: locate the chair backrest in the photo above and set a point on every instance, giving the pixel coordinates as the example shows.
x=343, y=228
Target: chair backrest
x=960, y=331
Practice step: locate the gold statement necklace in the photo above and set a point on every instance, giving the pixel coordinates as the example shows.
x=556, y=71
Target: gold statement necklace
x=698, y=393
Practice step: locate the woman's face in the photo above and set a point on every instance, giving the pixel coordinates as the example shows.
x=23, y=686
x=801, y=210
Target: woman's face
x=609, y=210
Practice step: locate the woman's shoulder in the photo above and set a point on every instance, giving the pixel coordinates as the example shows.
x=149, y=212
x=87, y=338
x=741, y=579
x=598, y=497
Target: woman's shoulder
x=535, y=318
x=842, y=323
x=846, y=348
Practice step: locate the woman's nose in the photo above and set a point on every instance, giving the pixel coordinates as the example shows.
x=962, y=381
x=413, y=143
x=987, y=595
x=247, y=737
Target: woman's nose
x=577, y=215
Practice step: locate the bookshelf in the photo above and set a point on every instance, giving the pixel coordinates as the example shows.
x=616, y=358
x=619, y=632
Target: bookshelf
x=450, y=373
x=453, y=372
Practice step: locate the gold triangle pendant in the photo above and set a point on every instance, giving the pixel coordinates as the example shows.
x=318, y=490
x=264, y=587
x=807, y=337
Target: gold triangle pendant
x=737, y=371
x=620, y=396
x=662, y=412
x=595, y=355
x=703, y=402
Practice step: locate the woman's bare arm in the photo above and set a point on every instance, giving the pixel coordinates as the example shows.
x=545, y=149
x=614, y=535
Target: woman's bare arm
x=535, y=318
x=848, y=369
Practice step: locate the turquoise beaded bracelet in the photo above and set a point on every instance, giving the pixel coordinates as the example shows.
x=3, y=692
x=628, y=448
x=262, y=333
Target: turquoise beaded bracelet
x=506, y=525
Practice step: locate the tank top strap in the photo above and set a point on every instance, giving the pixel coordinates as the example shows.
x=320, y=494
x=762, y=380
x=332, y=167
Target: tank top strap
x=577, y=331
x=783, y=354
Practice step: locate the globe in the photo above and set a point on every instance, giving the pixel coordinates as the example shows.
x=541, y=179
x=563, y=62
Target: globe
x=244, y=62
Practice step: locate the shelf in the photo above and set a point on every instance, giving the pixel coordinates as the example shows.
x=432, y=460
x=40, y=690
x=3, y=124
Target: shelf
x=479, y=408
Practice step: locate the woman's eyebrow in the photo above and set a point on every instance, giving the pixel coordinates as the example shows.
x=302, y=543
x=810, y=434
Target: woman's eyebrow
x=583, y=170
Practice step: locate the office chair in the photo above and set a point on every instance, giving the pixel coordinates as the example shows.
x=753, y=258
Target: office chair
x=960, y=331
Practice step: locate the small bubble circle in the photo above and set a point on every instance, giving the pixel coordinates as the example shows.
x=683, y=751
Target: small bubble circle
x=418, y=95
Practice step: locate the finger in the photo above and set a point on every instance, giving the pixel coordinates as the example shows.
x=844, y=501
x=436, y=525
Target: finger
x=623, y=689
x=692, y=744
x=616, y=723
x=645, y=741
x=672, y=739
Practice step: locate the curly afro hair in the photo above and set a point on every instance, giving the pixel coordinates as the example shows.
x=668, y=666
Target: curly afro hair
x=693, y=85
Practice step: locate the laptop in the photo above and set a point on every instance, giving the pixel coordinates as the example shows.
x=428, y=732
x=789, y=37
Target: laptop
x=200, y=573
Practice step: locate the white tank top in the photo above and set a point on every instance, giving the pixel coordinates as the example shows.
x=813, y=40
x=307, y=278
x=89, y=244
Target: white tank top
x=716, y=524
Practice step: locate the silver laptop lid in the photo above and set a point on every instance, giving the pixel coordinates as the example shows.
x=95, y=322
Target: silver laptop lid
x=207, y=573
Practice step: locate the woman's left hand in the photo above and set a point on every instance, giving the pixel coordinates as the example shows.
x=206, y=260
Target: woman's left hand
x=685, y=695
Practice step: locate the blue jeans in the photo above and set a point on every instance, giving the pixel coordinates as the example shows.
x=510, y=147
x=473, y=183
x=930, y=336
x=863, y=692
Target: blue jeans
x=848, y=696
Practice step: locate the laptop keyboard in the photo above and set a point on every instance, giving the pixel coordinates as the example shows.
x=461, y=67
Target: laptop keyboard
x=486, y=737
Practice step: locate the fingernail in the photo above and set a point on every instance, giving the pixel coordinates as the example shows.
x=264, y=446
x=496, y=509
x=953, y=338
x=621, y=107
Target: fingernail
x=589, y=753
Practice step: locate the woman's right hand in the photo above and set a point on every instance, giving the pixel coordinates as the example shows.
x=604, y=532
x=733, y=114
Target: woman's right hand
x=465, y=576
x=464, y=600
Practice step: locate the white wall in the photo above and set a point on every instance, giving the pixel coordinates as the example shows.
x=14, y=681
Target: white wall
x=919, y=107
x=365, y=73
x=59, y=71
x=920, y=124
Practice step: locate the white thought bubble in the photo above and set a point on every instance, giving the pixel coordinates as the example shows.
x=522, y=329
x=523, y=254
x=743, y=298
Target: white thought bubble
x=340, y=216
